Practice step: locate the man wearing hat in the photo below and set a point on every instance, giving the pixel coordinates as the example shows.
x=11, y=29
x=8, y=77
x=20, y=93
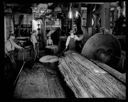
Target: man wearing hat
x=71, y=40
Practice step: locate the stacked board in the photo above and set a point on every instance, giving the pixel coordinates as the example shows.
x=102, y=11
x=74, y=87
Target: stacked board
x=88, y=80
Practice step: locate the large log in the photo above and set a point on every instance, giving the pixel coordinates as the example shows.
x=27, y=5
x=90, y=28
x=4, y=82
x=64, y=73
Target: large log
x=110, y=70
x=87, y=80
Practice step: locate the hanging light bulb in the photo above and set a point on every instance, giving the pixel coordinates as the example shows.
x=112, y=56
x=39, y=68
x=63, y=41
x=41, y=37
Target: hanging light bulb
x=77, y=14
x=124, y=9
x=70, y=14
x=92, y=22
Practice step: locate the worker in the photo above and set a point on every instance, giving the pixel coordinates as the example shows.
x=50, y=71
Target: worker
x=49, y=41
x=71, y=40
x=74, y=28
x=10, y=46
x=34, y=41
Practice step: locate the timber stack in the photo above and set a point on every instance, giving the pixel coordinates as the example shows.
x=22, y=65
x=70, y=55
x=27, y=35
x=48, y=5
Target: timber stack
x=88, y=80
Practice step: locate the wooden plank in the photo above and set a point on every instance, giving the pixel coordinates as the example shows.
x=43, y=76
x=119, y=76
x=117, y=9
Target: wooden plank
x=88, y=80
x=118, y=75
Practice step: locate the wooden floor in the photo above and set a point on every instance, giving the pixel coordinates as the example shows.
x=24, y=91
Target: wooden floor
x=84, y=77
x=87, y=80
x=38, y=82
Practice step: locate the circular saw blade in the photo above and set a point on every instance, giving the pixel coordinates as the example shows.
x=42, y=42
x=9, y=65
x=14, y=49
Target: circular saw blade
x=106, y=44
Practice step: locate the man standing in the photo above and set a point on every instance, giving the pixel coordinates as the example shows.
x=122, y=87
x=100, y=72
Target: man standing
x=10, y=46
x=34, y=41
x=49, y=41
x=71, y=41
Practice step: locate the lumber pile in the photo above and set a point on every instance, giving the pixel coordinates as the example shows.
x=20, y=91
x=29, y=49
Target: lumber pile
x=87, y=80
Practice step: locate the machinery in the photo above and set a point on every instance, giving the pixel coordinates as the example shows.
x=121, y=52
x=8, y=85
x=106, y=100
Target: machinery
x=104, y=48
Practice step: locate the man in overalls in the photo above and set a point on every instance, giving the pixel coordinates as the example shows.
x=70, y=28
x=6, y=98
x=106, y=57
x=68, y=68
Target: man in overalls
x=71, y=41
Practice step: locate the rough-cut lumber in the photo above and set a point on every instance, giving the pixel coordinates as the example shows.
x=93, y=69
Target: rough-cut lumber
x=112, y=71
x=87, y=80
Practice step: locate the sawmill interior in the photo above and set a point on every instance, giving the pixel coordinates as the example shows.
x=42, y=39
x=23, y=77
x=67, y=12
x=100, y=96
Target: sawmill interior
x=65, y=50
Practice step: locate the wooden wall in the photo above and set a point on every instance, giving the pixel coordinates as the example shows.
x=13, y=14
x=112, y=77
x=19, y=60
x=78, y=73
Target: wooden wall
x=8, y=26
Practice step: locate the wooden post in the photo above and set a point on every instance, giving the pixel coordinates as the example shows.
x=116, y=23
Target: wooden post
x=5, y=31
x=89, y=21
x=105, y=21
x=102, y=14
x=43, y=26
x=107, y=16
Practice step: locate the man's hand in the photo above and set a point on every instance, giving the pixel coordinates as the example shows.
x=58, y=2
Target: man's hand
x=21, y=48
x=66, y=47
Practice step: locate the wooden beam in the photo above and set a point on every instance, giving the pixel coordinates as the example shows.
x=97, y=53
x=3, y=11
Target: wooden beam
x=105, y=16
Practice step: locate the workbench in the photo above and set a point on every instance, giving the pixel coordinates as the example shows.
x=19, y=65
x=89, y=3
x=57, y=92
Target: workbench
x=91, y=79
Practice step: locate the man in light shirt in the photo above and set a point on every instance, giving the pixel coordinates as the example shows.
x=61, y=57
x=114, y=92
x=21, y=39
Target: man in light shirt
x=49, y=41
x=10, y=46
x=35, y=42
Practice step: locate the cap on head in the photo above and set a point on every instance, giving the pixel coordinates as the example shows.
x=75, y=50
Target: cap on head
x=12, y=34
x=71, y=31
x=74, y=25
